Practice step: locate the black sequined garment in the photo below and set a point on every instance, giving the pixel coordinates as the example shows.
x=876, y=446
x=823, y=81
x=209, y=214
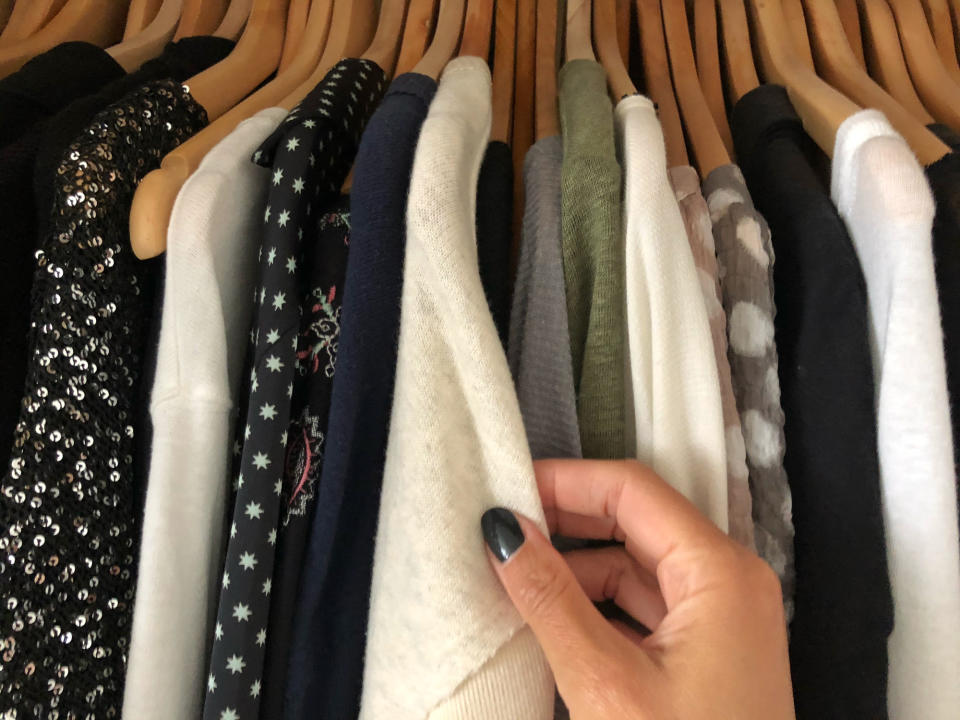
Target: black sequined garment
x=69, y=539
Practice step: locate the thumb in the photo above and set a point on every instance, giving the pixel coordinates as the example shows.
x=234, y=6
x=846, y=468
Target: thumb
x=575, y=637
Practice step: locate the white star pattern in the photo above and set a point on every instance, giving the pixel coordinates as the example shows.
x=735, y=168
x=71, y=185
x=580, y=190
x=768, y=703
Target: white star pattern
x=273, y=336
x=262, y=637
x=266, y=215
x=290, y=390
x=277, y=176
x=267, y=586
x=218, y=632
x=229, y=714
x=255, y=689
x=272, y=537
x=226, y=580
x=248, y=561
x=233, y=530
x=283, y=439
x=241, y=612
x=211, y=683
x=268, y=411
x=235, y=664
x=246, y=430
x=261, y=461
x=263, y=295
x=283, y=218
x=291, y=264
x=298, y=186
x=309, y=124
x=292, y=144
x=278, y=487
x=236, y=447
x=239, y=481
x=253, y=510
x=274, y=364
x=271, y=256
x=279, y=300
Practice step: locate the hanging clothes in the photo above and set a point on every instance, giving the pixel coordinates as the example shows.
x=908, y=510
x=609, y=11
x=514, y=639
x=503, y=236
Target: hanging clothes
x=67, y=496
x=885, y=200
x=211, y=262
x=444, y=639
x=495, y=231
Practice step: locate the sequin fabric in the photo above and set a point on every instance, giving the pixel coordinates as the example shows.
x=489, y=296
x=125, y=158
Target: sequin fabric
x=70, y=532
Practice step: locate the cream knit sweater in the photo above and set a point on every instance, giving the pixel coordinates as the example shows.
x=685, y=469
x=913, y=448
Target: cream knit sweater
x=444, y=641
x=883, y=196
x=672, y=381
x=207, y=303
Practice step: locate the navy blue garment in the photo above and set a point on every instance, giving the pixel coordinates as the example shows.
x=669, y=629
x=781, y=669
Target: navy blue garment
x=844, y=610
x=325, y=670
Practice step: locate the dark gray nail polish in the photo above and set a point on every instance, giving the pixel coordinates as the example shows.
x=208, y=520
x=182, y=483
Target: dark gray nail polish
x=502, y=532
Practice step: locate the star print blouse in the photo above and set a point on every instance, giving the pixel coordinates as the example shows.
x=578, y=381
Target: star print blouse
x=69, y=540
x=294, y=338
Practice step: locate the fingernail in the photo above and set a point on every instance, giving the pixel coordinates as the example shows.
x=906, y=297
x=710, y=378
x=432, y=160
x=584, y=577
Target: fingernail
x=502, y=532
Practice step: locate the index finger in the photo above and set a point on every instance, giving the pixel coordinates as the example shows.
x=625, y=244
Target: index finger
x=621, y=499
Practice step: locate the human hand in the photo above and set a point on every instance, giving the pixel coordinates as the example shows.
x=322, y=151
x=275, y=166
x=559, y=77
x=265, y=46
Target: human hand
x=718, y=645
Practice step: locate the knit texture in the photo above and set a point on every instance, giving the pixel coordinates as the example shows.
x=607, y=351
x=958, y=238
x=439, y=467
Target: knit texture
x=539, y=347
x=672, y=386
x=745, y=258
x=593, y=257
x=843, y=612
x=70, y=537
x=885, y=200
x=444, y=640
x=696, y=220
x=211, y=272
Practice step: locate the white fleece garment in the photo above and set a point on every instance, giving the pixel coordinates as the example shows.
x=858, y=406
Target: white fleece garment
x=211, y=265
x=444, y=641
x=672, y=381
x=885, y=200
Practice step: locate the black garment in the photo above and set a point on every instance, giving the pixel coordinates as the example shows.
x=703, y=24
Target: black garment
x=70, y=534
x=28, y=185
x=946, y=134
x=50, y=81
x=844, y=610
x=944, y=177
x=495, y=232
x=282, y=445
x=325, y=669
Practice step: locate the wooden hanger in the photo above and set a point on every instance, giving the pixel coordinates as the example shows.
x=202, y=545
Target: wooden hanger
x=885, y=57
x=135, y=51
x=477, y=29
x=27, y=18
x=445, y=39
x=578, y=43
x=235, y=19
x=139, y=16
x=156, y=194
x=623, y=29
x=6, y=8
x=850, y=19
x=417, y=31
x=504, y=63
x=200, y=17
x=386, y=39
x=706, y=145
x=955, y=15
x=607, y=43
x=740, y=68
x=797, y=24
x=838, y=66
x=297, y=15
x=707, y=47
x=656, y=77
x=941, y=24
x=934, y=84
x=547, y=122
x=71, y=23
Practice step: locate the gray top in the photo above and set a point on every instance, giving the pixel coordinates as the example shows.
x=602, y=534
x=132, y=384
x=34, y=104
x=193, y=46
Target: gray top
x=539, y=345
x=745, y=259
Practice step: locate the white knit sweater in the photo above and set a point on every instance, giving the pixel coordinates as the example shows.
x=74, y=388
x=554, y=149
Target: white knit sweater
x=885, y=200
x=444, y=641
x=211, y=273
x=672, y=381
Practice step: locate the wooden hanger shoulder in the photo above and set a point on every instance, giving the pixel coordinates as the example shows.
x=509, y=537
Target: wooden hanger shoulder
x=386, y=40
x=71, y=23
x=738, y=62
x=607, y=43
x=200, y=17
x=547, y=113
x=446, y=38
x=235, y=19
x=797, y=25
x=936, y=87
x=707, y=47
x=477, y=29
x=656, y=76
x=579, y=45
x=6, y=8
x=850, y=19
x=885, y=57
x=156, y=194
x=135, y=51
x=839, y=67
x=941, y=24
x=706, y=145
x=28, y=18
x=504, y=66
x=417, y=31
x=139, y=16
x=297, y=15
